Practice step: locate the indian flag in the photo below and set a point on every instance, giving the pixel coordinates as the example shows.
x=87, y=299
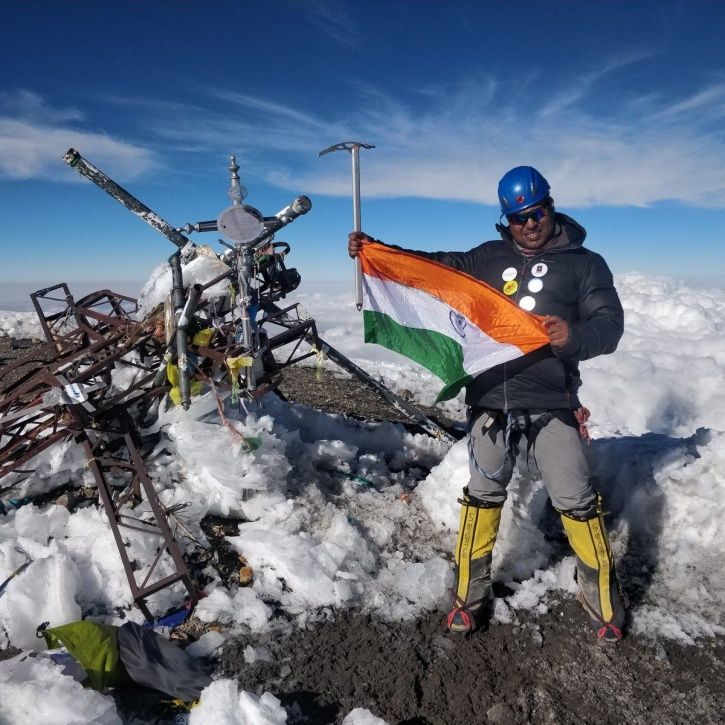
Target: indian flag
x=449, y=322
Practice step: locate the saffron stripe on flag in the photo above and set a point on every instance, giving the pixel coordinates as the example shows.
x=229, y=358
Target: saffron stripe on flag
x=486, y=308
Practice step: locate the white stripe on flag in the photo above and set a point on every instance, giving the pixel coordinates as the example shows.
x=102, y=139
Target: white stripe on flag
x=416, y=309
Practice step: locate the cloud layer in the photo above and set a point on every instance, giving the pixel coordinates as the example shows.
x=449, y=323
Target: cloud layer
x=454, y=143
x=34, y=137
x=641, y=152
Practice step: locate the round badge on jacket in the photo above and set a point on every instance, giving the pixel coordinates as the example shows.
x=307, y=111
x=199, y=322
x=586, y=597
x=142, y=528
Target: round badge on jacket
x=509, y=273
x=510, y=287
x=535, y=285
x=539, y=269
x=527, y=303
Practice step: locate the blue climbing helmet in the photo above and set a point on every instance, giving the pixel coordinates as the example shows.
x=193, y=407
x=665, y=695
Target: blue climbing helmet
x=521, y=187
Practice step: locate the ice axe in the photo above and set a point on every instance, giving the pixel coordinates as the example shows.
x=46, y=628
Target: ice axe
x=354, y=148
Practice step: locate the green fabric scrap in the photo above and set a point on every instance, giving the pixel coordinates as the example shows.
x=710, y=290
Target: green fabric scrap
x=95, y=646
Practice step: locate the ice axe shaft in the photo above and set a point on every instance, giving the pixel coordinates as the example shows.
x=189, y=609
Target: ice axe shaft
x=354, y=148
x=357, y=224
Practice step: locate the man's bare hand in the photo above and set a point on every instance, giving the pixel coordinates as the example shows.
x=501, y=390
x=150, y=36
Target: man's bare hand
x=557, y=329
x=356, y=241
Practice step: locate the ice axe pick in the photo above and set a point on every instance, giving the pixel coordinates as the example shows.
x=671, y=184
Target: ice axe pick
x=354, y=148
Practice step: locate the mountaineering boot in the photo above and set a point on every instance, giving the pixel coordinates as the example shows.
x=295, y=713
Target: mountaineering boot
x=599, y=591
x=476, y=537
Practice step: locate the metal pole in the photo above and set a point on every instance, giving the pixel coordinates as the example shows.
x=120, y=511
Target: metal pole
x=246, y=270
x=178, y=301
x=237, y=193
x=86, y=168
x=182, y=330
x=354, y=148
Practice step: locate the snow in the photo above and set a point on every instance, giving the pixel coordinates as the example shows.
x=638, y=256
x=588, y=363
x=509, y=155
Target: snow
x=35, y=692
x=241, y=607
x=361, y=716
x=223, y=704
x=666, y=376
x=319, y=538
x=44, y=592
x=207, y=644
x=20, y=325
x=203, y=268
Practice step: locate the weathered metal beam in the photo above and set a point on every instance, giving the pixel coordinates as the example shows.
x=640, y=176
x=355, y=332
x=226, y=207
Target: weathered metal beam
x=123, y=197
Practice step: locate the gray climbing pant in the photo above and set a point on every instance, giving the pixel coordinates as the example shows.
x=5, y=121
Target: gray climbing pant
x=557, y=453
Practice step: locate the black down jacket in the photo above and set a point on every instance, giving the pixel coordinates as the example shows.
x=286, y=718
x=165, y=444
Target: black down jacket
x=565, y=280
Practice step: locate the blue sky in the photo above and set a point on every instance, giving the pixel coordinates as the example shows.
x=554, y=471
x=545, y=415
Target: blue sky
x=620, y=105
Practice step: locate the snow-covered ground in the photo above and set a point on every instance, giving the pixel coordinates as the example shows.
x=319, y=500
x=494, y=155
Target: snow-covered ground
x=344, y=514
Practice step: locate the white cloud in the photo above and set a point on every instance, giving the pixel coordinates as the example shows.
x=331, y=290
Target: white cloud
x=595, y=145
x=585, y=84
x=27, y=104
x=34, y=137
x=456, y=143
x=459, y=148
x=710, y=100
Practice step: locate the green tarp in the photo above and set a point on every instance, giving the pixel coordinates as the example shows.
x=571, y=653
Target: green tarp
x=95, y=646
x=120, y=656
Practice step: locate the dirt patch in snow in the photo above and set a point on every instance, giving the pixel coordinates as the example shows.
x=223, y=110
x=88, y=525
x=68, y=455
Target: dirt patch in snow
x=333, y=391
x=19, y=359
x=546, y=669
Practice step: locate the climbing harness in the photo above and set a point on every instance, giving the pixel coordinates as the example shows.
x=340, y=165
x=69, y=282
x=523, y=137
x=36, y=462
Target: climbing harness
x=517, y=423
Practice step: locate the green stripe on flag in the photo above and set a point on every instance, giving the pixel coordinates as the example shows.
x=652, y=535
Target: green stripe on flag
x=439, y=353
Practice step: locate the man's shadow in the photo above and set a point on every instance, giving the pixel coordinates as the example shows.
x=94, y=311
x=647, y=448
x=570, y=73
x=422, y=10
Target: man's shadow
x=623, y=471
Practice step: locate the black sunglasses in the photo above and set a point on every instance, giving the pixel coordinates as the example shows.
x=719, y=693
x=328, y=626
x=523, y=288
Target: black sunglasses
x=523, y=216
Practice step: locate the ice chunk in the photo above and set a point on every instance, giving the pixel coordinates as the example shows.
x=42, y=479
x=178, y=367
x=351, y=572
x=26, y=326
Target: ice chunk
x=35, y=692
x=222, y=704
x=361, y=716
x=44, y=592
x=207, y=644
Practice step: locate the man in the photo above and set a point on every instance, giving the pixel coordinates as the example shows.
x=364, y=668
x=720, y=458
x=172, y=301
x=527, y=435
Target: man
x=539, y=263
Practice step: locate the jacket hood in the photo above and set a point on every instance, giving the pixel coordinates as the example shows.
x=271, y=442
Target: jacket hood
x=568, y=234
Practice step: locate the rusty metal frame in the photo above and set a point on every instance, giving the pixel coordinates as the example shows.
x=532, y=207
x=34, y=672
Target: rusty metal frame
x=40, y=412
x=129, y=458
